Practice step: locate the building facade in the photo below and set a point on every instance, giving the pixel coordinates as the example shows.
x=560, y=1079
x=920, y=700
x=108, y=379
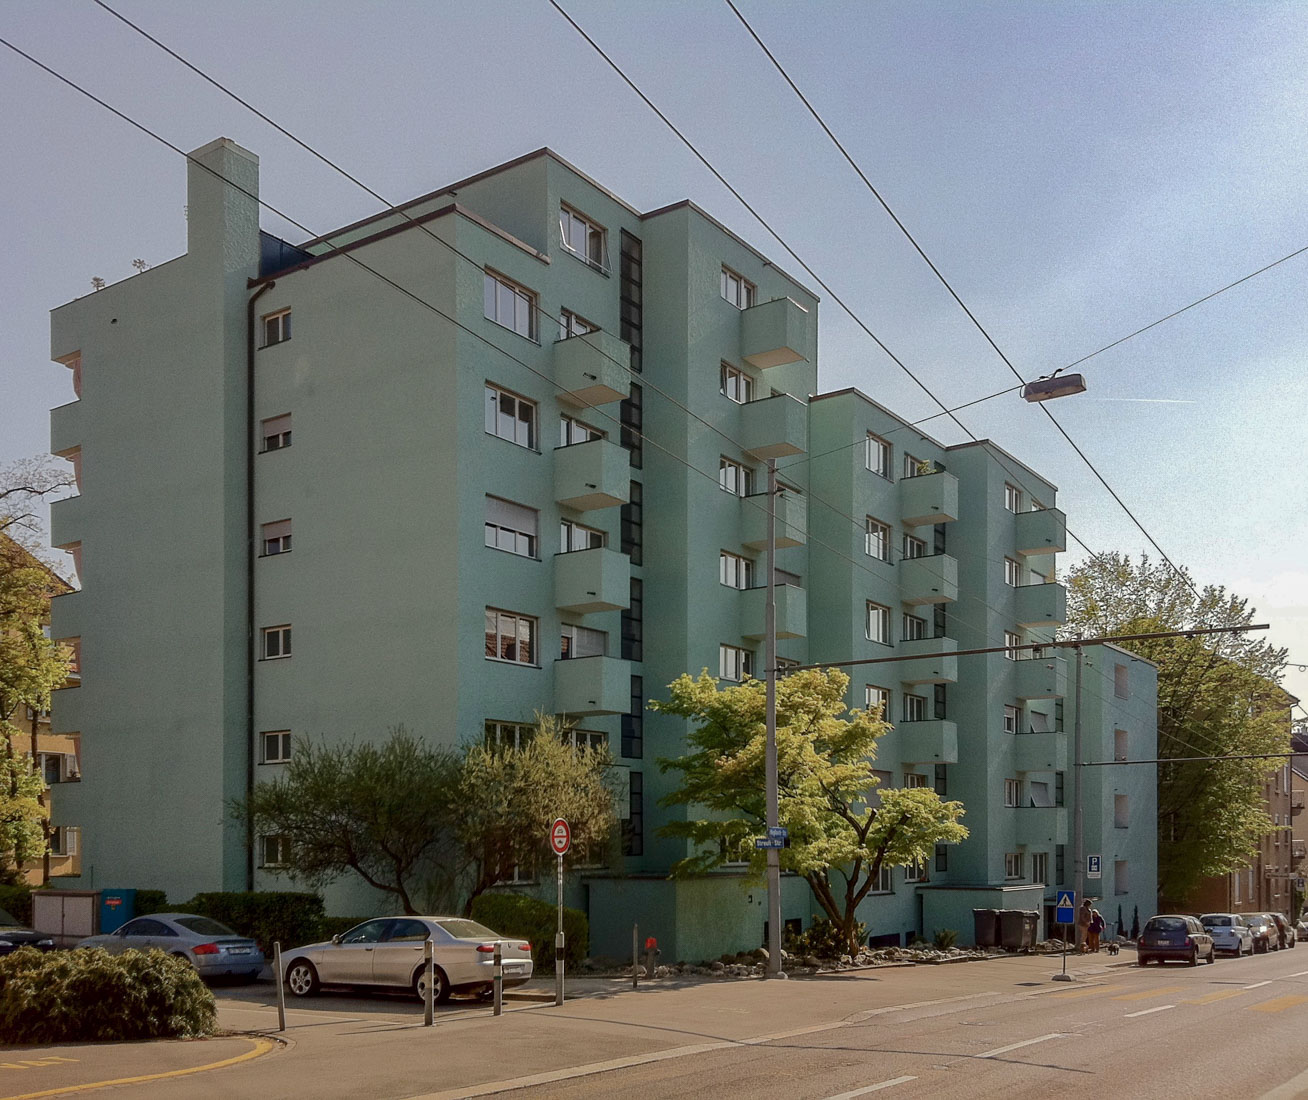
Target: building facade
x=501, y=452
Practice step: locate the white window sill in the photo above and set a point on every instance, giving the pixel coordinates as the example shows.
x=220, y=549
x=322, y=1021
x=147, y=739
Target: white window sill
x=279, y=657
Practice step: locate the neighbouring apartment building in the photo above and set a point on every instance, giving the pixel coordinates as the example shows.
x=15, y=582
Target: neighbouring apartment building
x=501, y=452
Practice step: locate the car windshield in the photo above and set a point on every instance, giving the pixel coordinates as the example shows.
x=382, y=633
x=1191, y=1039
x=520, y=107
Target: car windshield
x=1216, y=920
x=1166, y=924
x=462, y=929
x=203, y=926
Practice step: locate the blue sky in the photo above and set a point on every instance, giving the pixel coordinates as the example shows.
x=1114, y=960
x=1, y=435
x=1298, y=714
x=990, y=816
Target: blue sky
x=1077, y=170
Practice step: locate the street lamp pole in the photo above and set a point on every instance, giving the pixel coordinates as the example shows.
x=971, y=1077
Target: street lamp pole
x=1078, y=840
x=773, y=969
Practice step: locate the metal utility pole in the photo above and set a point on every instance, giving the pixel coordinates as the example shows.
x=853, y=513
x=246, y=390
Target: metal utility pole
x=770, y=658
x=1078, y=840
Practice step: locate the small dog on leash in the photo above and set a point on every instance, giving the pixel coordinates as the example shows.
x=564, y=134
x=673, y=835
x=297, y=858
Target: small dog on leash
x=1112, y=947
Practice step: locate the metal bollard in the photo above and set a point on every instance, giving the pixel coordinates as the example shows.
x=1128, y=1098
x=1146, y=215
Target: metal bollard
x=429, y=1001
x=499, y=979
x=635, y=956
x=279, y=978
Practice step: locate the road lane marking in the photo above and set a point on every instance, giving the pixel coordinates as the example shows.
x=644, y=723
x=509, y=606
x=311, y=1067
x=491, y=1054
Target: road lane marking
x=872, y=1088
x=1025, y=1043
x=1277, y=1004
x=1150, y=993
x=1077, y=993
x=1257, y=985
x=1302, y=973
x=260, y=1046
x=1290, y=1090
x=1146, y=1011
x=1213, y=998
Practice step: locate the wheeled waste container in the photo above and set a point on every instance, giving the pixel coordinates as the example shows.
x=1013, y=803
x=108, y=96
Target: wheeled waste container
x=985, y=924
x=1017, y=929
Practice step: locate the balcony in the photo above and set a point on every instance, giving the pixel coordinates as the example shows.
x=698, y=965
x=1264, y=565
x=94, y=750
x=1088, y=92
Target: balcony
x=592, y=685
x=792, y=520
x=66, y=428
x=66, y=710
x=1041, y=605
x=932, y=742
x=1043, y=532
x=928, y=498
x=774, y=333
x=1040, y=752
x=68, y=615
x=1043, y=678
x=927, y=669
x=592, y=369
x=1041, y=826
x=1296, y=802
x=586, y=581
x=932, y=579
x=774, y=427
x=792, y=612
x=67, y=524
x=591, y=475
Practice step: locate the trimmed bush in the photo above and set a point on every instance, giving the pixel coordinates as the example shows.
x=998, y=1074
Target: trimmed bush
x=823, y=939
x=265, y=916
x=89, y=995
x=17, y=902
x=152, y=901
x=535, y=920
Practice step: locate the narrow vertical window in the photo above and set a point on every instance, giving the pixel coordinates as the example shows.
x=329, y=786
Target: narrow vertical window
x=508, y=304
x=1012, y=498
x=738, y=290
x=734, y=477
x=510, y=417
x=277, y=327
x=736, y=385
x=878, y=623
x=1012, y=573
x=876, y=542
x=584, y=238
x=878, y=455
x=276, y=642
x=1010, y=640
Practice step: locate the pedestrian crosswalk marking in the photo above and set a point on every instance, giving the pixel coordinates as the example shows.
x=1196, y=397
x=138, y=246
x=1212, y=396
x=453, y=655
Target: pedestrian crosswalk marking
x=1278, y=1004
x=1077, y=993
x=1150, y=993
x=1213, y=998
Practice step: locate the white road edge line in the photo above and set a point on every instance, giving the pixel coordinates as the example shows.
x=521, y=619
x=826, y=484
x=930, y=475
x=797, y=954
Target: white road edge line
x=1024, y=1043
x=873, y=1088
x=1292, y=1088
x=1301, y=974
x=1147, y=1011
x=1258, y=985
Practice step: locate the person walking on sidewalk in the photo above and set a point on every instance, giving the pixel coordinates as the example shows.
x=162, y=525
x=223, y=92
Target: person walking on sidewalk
x=1096, y=929
x=1083, y=917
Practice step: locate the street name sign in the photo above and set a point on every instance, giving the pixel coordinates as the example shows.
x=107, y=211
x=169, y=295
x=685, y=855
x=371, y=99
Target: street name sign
x=763, y=842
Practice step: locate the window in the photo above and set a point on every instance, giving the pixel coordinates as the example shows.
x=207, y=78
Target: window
x=915, y=628
x=582, y=641
x=911, y=466
x=583, y=238
x=511, y=527
x=53, y=768
x=942, y=780
x=633, y=722
x=916, y=871
x=276, y=327
x=1012, y=573
x=632, y=623
x=1038, y=793
x=877, y=697
x=878, y=455
x=1039, y=866
x=632, y=523
x=1012, y=792
x=633, y=828
x=570, y=324
x=1012, y=719
x=508, y=735
x=738, y=290
x=631, y=418
x=510, y=305
x=510, y=637
x=574, y=431
x=1012, y=865
x=734, y=477
x=1038, y=722
x=737, y=385
x=577, y=536
x=1012, y=498
x=735, y=571
x=1120, y=751
x=630, y=290
x=942, y=857
x=1121, y=880
x=276, y=642
x=915, y=708
x=276, y=537
x=1122, y=812
x=734, y=663
x=1058, y=788
x=882, y=884
x=275, y=432
x=590, y=740
x=274, y=850
x=1121, y=684
x=914, y=547
x=878, y=623
x=510, y=417
x=912, y=780
x=876, y=542
x=276, y=746
x=1011, y=640
x=64, y=840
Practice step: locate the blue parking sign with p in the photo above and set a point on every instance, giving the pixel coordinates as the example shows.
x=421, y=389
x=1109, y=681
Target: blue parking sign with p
x=1065, y=912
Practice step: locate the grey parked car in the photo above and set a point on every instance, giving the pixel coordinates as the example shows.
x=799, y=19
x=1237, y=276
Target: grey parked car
x=212, y=948
x=389, y=952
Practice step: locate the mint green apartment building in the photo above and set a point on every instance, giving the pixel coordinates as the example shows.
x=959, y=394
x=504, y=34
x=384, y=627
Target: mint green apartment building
x=501, y=452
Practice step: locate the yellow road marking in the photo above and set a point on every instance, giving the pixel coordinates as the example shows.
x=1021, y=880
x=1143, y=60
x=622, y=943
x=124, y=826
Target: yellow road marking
x=1212, y=998
x=1150, y=993
x=1277, y=1004
x=260, y=1046
x=1076, y=993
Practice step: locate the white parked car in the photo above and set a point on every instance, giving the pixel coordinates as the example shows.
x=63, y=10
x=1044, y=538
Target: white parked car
x=212, y=948
x=1230, y=933
x=389, y=953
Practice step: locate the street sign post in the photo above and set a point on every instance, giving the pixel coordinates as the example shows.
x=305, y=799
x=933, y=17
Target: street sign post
x=1065, y=913
x=1093, y=867
x=560, y=842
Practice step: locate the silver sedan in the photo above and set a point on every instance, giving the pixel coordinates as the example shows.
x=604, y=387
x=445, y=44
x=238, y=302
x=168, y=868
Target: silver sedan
x=389, y=952
x=212, y=948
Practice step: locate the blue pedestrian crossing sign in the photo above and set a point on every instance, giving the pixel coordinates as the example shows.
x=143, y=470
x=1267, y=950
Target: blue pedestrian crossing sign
x=1065, y=913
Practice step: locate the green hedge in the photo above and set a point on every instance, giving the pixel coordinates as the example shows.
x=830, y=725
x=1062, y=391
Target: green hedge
x=151, y=901
x=537, y=921
x=292, y=919
x=89, y=995
x=17, y=902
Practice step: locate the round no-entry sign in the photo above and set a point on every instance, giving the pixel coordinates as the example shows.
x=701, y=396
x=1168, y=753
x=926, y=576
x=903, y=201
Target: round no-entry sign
x=560, y=837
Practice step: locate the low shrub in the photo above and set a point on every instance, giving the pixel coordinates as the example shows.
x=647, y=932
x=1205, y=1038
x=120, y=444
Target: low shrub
x=265, y=916
x=17, y=902
x=537, y=921
x=944, y=938
x=151, y=901
x=823, y=939
x=89, y=995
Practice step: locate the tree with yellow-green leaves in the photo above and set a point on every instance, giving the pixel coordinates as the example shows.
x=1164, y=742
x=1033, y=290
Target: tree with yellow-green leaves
x=843, y=828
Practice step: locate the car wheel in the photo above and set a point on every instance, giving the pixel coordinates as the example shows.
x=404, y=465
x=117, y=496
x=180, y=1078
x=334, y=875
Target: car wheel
x=1194, y=956
x=302, y=978
x=1212, y=955
x=440, y=994
x=1143, y=960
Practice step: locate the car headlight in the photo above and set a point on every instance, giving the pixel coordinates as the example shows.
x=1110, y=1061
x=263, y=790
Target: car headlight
x=6, y=943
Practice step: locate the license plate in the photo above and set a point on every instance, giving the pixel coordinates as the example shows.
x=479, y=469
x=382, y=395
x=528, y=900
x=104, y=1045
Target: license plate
x=238, y=951
x=515, y=966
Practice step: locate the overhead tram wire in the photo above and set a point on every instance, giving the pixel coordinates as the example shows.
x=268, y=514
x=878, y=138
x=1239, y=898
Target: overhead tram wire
x=954, y=294
x=393, y=208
